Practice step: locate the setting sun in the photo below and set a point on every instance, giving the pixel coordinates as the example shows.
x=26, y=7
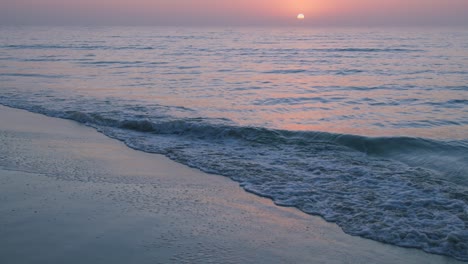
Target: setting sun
x=300, y=16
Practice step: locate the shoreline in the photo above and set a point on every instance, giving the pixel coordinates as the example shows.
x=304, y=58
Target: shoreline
x=71, y=194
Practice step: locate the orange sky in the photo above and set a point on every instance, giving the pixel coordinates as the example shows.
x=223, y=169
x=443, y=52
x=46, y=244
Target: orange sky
x=238, y=12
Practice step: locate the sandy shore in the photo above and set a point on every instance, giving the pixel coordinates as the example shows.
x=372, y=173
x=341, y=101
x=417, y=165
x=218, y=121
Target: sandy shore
x=68, y=194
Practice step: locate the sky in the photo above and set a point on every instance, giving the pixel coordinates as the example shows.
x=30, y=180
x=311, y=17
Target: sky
x=236, y=12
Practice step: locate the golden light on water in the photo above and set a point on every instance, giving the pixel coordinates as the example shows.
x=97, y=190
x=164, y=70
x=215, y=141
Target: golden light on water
x=300, y=16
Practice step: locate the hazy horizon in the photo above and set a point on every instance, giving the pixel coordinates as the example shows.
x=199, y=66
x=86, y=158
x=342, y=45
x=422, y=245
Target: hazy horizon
x=338, y=13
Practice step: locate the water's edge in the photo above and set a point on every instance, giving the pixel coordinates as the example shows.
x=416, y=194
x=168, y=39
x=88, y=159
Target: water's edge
x=325, y=194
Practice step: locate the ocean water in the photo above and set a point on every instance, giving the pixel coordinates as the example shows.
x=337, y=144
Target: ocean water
x=367, y=128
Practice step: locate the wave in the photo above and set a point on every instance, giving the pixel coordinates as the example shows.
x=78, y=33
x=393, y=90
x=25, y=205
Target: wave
x=290, y=100
x=448, y=158
x=287, y=71
x=336, y=50
x=332, y=72
x=33, y=75
x=412, y=151
x=405, y=191
x=368, y=50
x=75, y=47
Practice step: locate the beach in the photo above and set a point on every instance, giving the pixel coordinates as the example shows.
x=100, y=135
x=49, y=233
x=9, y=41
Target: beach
x=72, y=195
x=368, y=133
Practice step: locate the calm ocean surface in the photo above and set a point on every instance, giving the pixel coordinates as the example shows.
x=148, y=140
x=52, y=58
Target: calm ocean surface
x=367, y=128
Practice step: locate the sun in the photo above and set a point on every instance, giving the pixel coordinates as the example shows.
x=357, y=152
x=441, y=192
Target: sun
x=300, y=16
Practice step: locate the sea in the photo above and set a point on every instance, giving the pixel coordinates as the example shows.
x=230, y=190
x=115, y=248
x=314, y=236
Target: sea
x=365, y=127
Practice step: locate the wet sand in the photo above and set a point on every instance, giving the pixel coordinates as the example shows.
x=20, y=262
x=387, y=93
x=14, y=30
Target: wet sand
x=69, y=194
